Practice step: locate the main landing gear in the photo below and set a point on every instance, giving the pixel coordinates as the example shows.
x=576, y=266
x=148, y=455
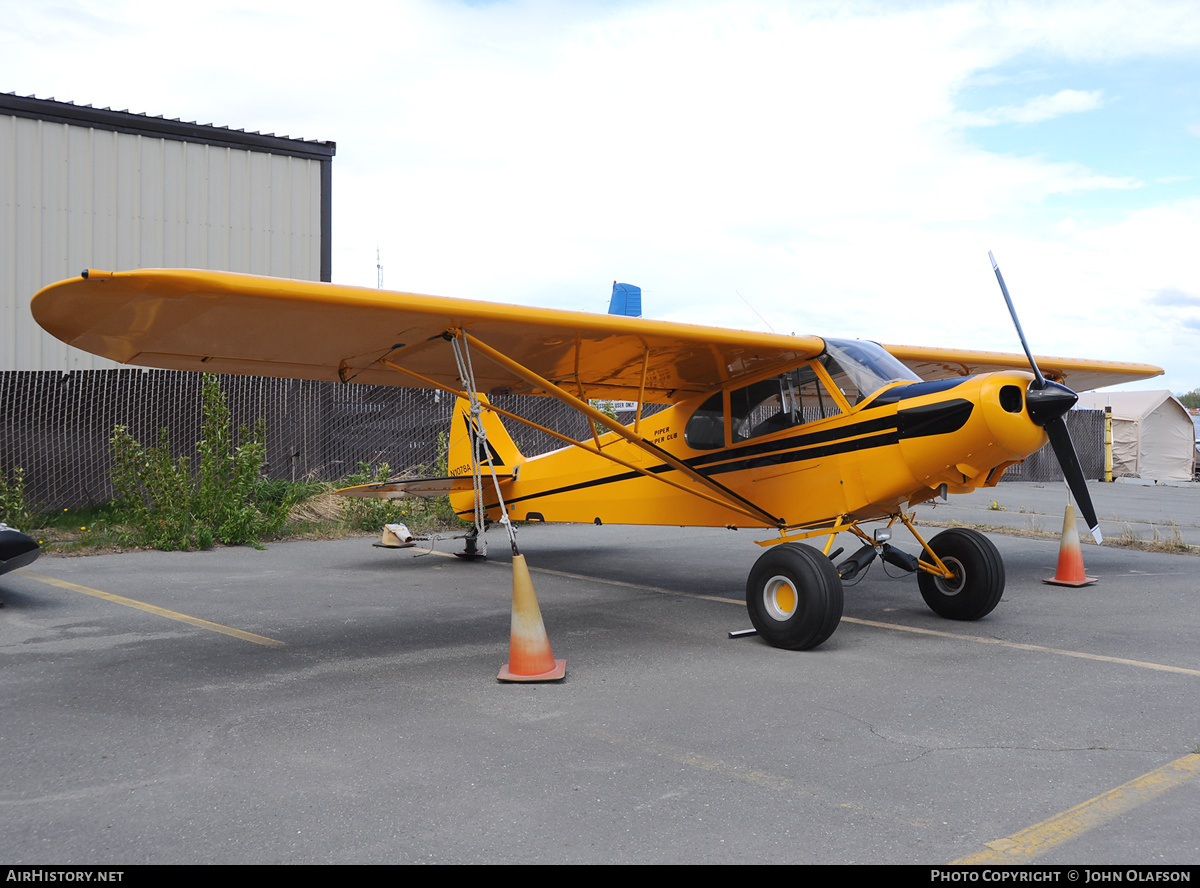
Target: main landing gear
x=794, y=595
x=977, y=575
x=794, y=592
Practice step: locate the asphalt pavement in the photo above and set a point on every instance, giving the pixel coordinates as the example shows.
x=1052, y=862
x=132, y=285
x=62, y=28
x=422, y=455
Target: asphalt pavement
x=1127, y=509
x=333, y=702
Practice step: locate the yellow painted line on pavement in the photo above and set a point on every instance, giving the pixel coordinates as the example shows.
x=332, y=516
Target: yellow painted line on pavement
x=573, y=576
x=1024, y=846
x=1062, y=652
x=895, y=627
x=153, y=609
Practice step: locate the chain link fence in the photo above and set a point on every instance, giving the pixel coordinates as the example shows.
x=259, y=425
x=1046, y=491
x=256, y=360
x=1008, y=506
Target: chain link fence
x=57, y=426
x=1087, y=433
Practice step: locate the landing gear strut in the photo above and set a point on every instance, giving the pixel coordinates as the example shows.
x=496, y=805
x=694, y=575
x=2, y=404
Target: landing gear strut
x=977, y=581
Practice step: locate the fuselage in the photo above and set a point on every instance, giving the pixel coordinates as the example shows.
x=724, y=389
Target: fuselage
x=896, y=446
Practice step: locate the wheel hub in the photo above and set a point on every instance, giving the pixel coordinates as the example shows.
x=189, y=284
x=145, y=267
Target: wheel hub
x=953, y=584
x=780, y=598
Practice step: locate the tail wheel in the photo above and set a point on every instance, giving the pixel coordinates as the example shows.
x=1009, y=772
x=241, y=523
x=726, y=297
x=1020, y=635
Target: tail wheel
x=977, y=581
x=794, y=596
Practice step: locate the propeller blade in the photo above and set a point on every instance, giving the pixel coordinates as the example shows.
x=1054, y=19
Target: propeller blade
x=1060, y=440
x=1040, y=380
x=1046, y=403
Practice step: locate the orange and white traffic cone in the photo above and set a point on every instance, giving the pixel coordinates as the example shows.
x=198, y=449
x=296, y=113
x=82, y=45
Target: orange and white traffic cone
x=1070, y=556
x=529, y=654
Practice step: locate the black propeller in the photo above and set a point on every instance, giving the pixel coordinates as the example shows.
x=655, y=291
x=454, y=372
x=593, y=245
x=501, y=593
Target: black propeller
x=1047, y=402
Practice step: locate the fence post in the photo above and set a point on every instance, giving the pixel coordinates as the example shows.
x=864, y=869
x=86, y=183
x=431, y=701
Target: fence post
x=1108, y=444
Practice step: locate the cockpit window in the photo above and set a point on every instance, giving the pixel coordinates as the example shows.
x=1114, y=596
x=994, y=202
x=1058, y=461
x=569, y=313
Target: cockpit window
x=858, y=370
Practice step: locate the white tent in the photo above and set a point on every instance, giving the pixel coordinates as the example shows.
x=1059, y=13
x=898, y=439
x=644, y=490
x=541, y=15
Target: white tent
x=1153, y=435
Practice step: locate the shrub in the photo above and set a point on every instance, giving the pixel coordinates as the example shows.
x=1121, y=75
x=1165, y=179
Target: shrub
x=362, y=513
x=171, y=509
x=155, y=493
x=13, y=508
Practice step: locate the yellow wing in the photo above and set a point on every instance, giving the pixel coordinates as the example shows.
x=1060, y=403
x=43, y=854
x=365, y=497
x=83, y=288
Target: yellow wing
x=233, y=323
x=1080, y=375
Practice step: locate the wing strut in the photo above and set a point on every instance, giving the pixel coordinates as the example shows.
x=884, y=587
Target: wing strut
x=530, y=658
x=637, y=417
x=571, y=442
x=466, y=373
x=727, y=495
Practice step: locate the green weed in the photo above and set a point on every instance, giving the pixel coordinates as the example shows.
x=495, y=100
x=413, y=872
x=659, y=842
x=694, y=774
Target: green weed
x=13, y=507
x=168, y=506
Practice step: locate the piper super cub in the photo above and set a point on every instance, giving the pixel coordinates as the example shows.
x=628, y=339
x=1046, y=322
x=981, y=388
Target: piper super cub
x=801, y=436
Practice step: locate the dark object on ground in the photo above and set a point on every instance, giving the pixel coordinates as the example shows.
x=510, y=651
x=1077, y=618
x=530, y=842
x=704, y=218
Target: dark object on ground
x=16, y=549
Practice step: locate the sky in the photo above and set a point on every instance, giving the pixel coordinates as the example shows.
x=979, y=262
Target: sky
x=839, y=169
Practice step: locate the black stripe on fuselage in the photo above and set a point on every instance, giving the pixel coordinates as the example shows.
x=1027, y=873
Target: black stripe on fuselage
x=914, y=422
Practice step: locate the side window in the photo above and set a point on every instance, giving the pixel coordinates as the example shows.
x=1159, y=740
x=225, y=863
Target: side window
x=706, y=429
x=779, y=403
x=764, y=407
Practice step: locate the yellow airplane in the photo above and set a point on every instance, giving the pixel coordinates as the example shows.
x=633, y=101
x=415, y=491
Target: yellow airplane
x=801, y=436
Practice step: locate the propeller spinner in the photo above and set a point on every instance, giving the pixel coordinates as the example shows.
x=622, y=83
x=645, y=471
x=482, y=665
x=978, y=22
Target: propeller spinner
x=1046, y=403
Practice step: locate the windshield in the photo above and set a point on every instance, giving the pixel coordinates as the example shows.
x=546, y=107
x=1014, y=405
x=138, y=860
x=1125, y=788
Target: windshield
x=867, y=368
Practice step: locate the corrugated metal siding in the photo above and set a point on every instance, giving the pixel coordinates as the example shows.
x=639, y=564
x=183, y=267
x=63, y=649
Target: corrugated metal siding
x=75, y=197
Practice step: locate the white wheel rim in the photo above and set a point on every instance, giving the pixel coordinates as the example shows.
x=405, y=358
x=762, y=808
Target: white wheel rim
x=780, y=598
x=951, y=586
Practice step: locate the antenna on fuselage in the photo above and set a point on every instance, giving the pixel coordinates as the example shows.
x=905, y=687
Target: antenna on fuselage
x=378, y=271
x=755, y=310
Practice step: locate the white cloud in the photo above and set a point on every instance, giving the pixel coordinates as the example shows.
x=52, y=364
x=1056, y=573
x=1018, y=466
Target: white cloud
x=810, y=156
x=1037, y=109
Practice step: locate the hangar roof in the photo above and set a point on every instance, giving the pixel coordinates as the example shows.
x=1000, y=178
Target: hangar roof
x=161, y=127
